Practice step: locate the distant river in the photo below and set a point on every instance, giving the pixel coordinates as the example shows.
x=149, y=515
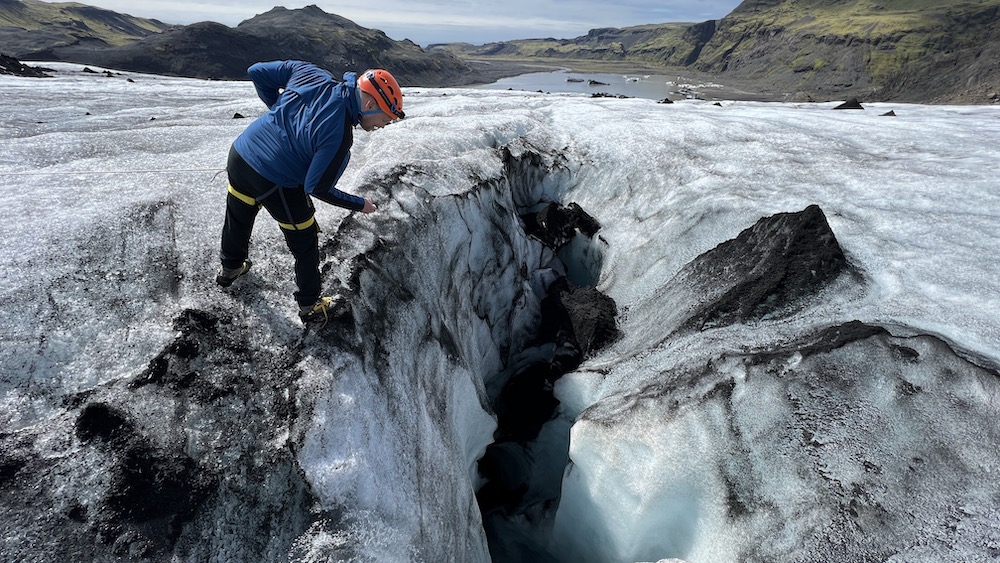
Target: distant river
x=639, y=85
x=650, y=86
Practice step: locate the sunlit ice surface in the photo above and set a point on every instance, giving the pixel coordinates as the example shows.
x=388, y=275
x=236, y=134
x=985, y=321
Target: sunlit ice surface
x=913, y=199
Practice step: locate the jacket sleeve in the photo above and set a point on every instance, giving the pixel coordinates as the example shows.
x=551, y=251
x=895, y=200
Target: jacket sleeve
x=270, y=78
x=332, y=165
x=341, y=199
x=328, y=166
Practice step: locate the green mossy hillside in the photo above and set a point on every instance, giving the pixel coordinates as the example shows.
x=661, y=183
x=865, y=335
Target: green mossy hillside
x=25, y=21
x=906, y=50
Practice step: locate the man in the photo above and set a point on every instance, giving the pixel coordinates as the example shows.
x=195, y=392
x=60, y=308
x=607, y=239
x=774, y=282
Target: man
x=298, y=149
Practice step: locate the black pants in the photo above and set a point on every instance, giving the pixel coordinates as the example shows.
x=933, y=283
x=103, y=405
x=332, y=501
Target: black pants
x=290, y=206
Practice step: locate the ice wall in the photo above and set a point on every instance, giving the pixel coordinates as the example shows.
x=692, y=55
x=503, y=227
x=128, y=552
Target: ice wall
x=745, y=428
x=445, y=299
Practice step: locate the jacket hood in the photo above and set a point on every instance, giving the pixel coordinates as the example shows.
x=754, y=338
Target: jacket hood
x=350, y=82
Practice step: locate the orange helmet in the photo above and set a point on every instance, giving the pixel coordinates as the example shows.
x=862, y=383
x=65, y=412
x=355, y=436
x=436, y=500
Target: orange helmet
x=383, y=87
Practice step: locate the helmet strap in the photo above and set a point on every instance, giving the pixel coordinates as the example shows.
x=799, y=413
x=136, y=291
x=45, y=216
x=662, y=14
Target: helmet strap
x=361, y=100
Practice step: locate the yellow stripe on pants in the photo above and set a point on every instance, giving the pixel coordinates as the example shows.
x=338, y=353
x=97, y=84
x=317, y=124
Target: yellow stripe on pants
x=242, y=197
x=298, y=226
x=287, y=226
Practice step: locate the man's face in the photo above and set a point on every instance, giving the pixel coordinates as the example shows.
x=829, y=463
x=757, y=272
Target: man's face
x=375, y=121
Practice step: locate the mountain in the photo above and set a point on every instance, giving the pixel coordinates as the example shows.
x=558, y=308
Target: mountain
x=81, y=34
x=900, y=50
x=671, y=44
x=905, y=50
x=28, y=26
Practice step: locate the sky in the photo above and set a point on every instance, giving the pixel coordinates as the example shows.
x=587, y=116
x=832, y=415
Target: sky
x=440, y=21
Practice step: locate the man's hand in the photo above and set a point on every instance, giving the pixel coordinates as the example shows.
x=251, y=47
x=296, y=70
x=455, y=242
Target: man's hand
x=369, y=206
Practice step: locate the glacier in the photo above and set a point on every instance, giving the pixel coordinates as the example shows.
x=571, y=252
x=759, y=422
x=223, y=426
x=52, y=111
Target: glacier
x=805, y=367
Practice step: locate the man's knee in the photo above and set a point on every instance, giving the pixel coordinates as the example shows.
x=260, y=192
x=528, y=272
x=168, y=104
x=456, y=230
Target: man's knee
x=302, y=241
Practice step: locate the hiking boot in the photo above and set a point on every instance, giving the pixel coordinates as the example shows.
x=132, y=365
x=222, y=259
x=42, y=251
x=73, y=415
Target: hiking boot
x=227, y=276
x=321, y=311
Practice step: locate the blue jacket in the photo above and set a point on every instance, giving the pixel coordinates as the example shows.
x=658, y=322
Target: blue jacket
x=305, y=139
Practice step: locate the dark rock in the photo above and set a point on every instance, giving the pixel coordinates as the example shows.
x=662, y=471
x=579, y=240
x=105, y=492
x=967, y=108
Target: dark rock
x=579, y=320
x=889, y=113
x=556, y=225
x=14, y=67
x=852, y=103
x=908, y=354
x=665, y=101
x=766, y=268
